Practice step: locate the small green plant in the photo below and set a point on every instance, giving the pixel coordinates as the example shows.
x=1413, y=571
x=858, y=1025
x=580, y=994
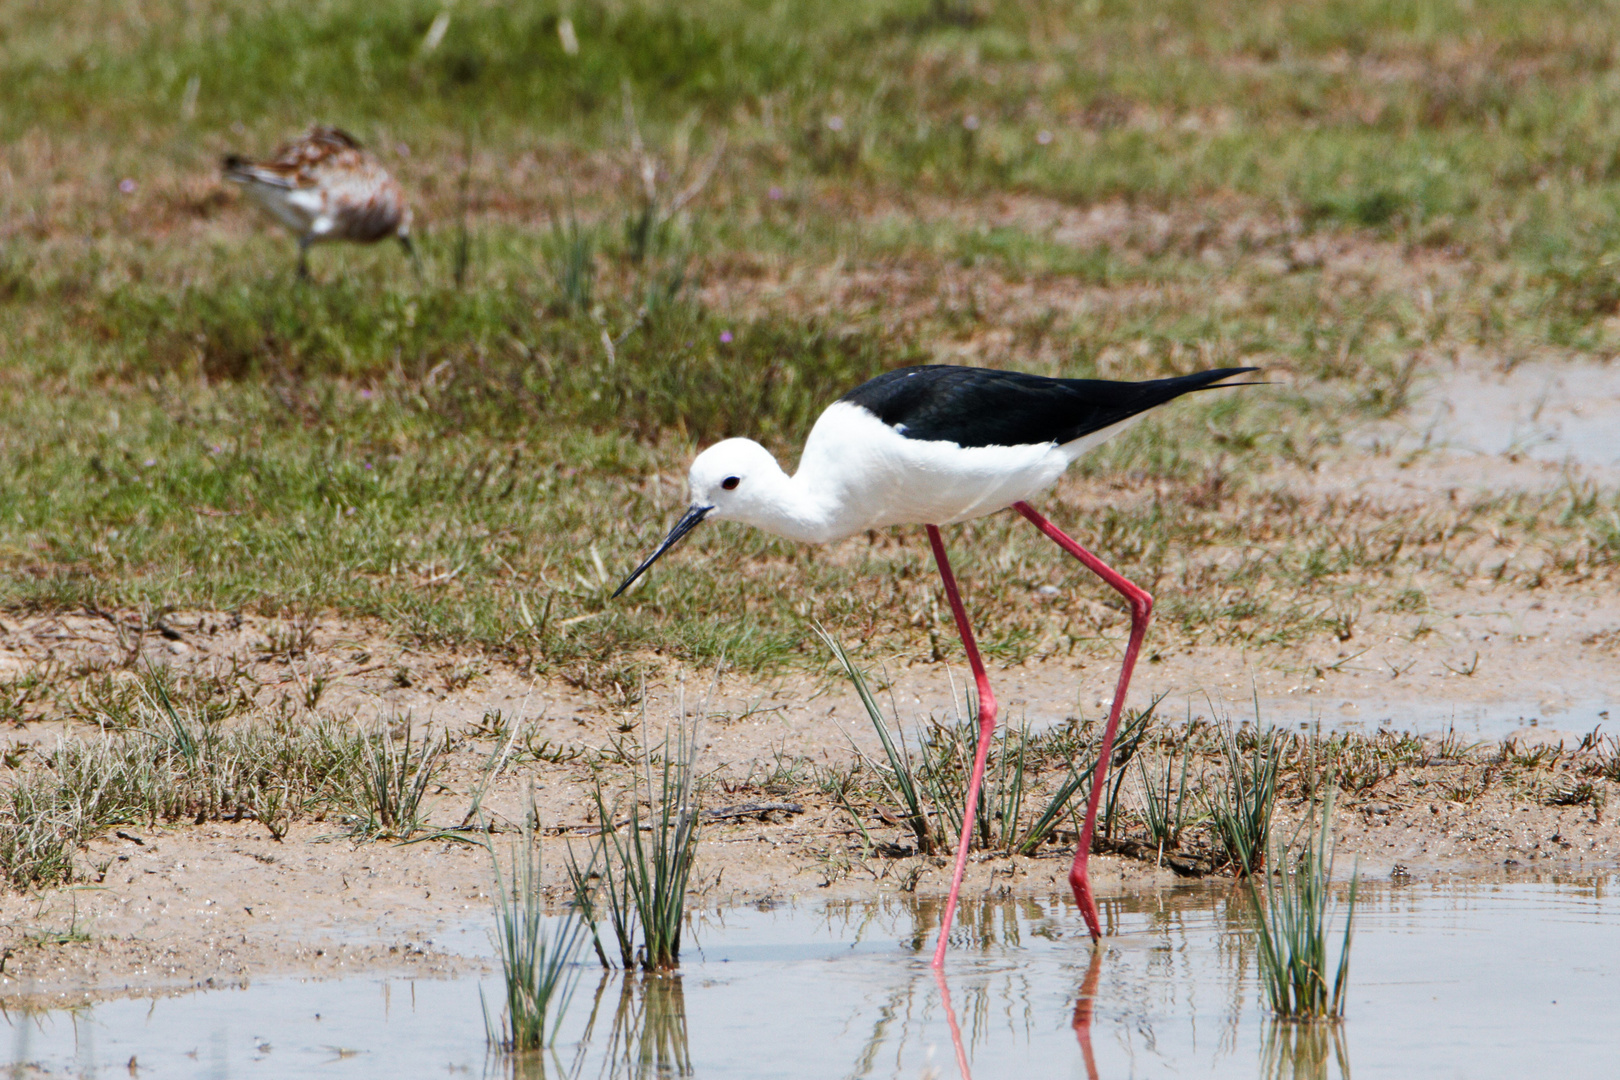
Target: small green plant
x=1164, y=801
x=901, y=778
x=570, y=252
x=1603, y=758
x=999, y=811
x=537, y=953
x=184, y=738
x=394, y=781
x=1293, y=916
x=1241, y=810
x=74, y=933
x=36, y=843
x=1128, y=739
x=645, y=866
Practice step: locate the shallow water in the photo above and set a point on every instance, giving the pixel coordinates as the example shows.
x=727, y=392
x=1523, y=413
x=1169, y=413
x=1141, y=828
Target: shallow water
x=1499, y=720
x=1547, y=411
x=1450, y=978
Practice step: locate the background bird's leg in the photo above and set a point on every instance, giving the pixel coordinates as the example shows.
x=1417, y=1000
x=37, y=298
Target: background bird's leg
x=416, y=260
x=1141, y=608
x=303, y=259
x=987, y=729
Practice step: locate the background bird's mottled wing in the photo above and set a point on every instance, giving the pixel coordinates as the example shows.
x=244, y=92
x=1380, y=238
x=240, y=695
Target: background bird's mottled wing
x=985, y=407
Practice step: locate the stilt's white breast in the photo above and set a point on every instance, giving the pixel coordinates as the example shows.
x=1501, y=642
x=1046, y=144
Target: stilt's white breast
x=867, y=474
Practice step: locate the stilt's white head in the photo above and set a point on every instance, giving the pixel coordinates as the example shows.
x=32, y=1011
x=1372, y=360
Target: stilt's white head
x=732, y=480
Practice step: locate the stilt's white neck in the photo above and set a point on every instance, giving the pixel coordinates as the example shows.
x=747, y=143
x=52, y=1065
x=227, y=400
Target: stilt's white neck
x=787, y=506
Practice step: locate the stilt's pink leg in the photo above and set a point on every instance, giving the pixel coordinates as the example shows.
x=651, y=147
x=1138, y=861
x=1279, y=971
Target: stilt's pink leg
x=987, y=728
x=1141, y=608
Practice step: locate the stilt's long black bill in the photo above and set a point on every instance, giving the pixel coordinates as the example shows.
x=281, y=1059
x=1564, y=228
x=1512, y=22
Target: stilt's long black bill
x=687, y=523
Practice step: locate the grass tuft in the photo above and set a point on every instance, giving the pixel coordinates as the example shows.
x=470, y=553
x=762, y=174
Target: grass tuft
x=930, y=784
x=36, y=839
x=171, y=763
x=1293, y=916
x=1241, y=809
x=901, y=778
x=571, y=260
x=394, y=781
x=537, y=954
x=647, y=863
x=1164, y=800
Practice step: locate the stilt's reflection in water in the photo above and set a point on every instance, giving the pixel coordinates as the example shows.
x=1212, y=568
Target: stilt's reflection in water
x=1082, y=1010
x=956, y=1030
x=1082, y=1021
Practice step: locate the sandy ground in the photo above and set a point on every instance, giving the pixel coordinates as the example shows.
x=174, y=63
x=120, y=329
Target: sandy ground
x=184, y=906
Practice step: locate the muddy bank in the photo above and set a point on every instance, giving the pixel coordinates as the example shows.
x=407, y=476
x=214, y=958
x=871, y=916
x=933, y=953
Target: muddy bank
x=183, y=906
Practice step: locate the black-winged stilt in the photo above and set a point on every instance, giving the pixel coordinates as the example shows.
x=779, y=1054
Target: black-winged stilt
x=324, y=186
x=936, y=445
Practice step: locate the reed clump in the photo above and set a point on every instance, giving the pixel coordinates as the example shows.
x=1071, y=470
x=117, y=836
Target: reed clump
x=1293, y=907
x=1240, y=811
x=641, y=868
x=537, y=953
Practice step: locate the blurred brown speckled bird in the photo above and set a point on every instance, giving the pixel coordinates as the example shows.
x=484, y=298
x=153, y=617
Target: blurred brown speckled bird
x=325, y=187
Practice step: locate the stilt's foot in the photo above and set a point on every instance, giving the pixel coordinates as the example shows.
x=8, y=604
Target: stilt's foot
x=1080, y=882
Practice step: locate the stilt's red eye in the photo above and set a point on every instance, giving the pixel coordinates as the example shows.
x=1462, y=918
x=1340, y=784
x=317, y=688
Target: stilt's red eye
x=730, y=483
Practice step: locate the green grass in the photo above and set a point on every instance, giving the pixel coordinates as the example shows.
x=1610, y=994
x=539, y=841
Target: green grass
x=456, y=458
x=170, y=764
x=928, y=783
x=394, y=781
x=1165, y=802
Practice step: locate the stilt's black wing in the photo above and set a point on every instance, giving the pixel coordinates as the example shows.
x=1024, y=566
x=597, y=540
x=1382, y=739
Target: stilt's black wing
x=984, y=407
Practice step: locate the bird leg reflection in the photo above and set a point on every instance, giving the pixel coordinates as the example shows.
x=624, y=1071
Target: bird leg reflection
x=1082, y=1011
x=1141, y=609
x=950, y=1018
